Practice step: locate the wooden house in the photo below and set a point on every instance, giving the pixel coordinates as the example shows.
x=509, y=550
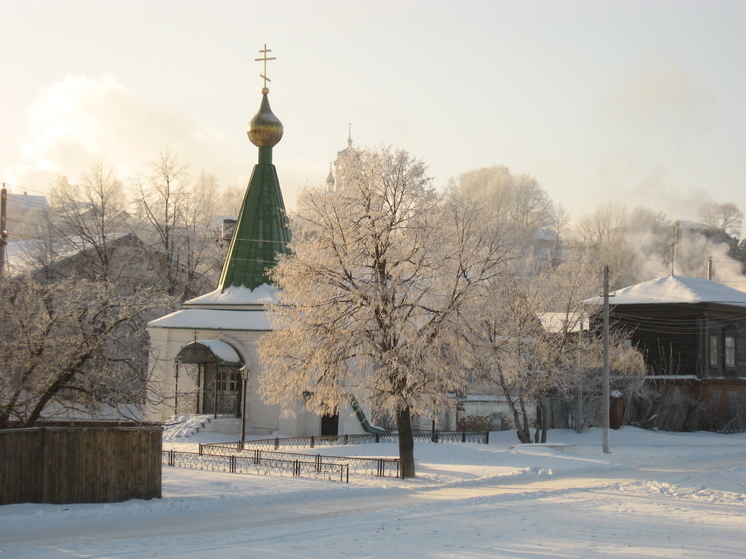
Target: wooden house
x=692, y=334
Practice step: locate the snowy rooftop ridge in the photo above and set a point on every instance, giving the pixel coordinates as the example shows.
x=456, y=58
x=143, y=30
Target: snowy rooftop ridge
x=211, y=319
x=675, y=289
x=235, y=296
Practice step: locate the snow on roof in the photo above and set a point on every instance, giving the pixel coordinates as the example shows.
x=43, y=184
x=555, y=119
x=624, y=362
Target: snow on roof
x=211, y=319
x=543, y=234
x=675, y=289
x=554, y=322
x=683, y=224
x=218, y=221
x=224, y=353
x=236, y=296
x=24, y=202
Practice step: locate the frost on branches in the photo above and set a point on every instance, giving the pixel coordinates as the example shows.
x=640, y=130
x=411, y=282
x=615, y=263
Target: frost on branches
x=373, y=297
x=71, y=348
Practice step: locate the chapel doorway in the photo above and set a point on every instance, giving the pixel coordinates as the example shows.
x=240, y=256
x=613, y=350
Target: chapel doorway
x=222, y=390
x=218, y=382
x=330, y=424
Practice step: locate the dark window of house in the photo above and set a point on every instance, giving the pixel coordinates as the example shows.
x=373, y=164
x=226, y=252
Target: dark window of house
x=714, y=361
x=730, y=350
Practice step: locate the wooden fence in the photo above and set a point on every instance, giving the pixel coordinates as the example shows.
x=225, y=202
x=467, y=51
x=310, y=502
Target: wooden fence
x=80, y=465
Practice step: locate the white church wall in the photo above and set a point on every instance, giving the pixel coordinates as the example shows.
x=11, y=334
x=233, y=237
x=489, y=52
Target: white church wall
x=161, y=385
x=349, y=424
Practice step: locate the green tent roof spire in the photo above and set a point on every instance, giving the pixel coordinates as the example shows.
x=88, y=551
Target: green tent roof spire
x=262, y=228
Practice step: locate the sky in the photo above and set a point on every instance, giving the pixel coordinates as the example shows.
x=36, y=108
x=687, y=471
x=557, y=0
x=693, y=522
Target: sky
x=638, y=101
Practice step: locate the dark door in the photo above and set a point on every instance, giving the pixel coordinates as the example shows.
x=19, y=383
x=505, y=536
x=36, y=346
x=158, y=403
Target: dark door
x=330, y=424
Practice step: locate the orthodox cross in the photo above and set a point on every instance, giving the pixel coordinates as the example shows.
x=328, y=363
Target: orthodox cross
x=264, y=59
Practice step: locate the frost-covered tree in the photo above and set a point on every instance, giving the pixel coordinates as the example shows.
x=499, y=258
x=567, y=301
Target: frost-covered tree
x=70, y=346
x=724, y=216
x=526, y=334
x=373, y=296
x=518, y=202
x=87, y=217
x=177, y=213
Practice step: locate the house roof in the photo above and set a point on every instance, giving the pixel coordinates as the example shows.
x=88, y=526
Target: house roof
x=235, y=297
x=210, y=319
x=24, y=202
x=675, y=289
x=555, y=322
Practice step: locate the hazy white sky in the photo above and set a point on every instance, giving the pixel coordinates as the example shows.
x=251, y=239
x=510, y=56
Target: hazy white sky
x=599, y=100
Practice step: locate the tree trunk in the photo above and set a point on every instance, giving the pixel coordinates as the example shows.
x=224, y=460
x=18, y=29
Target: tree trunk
x=540, y=436
x=406, y=442
x=544, y=420
x=521, y=421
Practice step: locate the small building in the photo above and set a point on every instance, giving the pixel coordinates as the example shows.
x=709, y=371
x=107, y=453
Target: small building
x=692, y=335
x=203, y=357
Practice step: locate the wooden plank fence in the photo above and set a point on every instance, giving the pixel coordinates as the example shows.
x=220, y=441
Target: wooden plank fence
x=80, y=465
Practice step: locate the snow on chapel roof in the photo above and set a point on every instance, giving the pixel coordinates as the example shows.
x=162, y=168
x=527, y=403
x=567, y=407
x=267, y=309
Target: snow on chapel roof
x=675, y=289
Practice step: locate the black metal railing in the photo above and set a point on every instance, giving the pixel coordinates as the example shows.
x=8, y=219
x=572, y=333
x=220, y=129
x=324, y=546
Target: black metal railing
x=381, y=467
x=257, y=465
x=479, y=437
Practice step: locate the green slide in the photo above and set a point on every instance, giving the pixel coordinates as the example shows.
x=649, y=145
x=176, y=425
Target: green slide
x=367, y=427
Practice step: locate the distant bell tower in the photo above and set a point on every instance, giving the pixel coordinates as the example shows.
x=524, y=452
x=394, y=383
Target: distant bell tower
x=336, y=180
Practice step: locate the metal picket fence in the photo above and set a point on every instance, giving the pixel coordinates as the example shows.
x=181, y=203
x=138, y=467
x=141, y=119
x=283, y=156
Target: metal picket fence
x=479, y=437
x=263, y=465
x=381, y=467
x=264, y=457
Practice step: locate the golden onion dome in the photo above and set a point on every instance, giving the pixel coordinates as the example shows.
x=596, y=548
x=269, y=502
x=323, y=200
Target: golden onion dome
x=265, y=129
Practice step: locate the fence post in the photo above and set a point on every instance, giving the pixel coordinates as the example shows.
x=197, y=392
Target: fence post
x=171, y=457
x=345, y=439
x=486, y=437
x=312, y=441
x=257, y=456
x=378, y=438
x=463, y=436
x=200, y=449
x=277, y=443
x=232, y=464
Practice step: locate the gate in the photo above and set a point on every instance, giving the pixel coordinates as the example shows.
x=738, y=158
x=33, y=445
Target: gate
x=222, y=390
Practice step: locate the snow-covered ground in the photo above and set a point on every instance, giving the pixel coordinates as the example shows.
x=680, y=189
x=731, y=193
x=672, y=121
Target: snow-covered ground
x=656, y=495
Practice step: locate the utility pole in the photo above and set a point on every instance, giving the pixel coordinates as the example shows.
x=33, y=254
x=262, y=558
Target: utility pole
x=673, y=247
x=606, y=396
x=3, y=228
x=579, y=405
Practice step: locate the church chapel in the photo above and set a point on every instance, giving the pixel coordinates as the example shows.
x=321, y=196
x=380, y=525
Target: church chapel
x=204, y=358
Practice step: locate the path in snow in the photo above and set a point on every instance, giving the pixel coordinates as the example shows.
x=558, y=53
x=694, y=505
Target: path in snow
x=559, y=506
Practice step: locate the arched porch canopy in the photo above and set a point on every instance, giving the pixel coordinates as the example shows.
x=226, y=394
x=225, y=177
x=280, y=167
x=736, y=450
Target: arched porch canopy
x=210, y=351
